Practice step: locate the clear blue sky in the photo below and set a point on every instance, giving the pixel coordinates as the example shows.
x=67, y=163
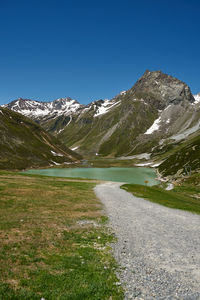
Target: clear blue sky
x=92, y=49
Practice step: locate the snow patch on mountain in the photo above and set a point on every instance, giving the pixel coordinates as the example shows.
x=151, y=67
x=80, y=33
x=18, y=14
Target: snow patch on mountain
x=56, y=154
x=143, y=164
x=59, y=131
x=55, y=163
x=75, y=148
x=105, y=107
x=154, y=127
x=36, y=112
x=197, y=98
x=69, y=121
x=137, y=156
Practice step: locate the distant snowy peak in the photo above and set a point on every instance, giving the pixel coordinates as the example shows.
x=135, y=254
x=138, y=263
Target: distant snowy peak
x=197, y=98
x=37, y=109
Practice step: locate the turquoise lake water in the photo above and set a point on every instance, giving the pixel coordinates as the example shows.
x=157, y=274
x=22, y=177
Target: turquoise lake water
x=128, y=175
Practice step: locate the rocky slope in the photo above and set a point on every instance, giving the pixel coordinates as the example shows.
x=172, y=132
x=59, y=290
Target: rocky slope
x=25, y=144
x=181, y=158
x=158, y=111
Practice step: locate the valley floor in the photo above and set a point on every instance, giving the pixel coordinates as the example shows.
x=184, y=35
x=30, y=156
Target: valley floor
x=158, y=247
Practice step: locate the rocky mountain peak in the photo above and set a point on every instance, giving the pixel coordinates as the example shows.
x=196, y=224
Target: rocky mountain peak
x=160, y=89
x=35, y=109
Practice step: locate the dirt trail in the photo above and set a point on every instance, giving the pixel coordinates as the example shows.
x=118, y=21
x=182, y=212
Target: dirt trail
x=158, y=248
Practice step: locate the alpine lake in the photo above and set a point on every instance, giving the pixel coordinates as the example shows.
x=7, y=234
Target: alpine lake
x=137, y=175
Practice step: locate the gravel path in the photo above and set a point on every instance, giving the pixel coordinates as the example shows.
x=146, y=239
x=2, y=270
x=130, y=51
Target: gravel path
x=158, y=248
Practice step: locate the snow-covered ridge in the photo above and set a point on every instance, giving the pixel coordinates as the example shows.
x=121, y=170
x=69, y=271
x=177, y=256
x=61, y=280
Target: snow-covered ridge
x=197, y=98
x=31, y=108
x=58, y=107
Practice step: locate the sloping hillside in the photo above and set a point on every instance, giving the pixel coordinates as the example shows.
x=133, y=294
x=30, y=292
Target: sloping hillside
x=24, y=144
x=184, y=158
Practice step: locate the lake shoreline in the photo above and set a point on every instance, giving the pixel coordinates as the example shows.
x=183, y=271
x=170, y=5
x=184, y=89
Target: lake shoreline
x=135, y=175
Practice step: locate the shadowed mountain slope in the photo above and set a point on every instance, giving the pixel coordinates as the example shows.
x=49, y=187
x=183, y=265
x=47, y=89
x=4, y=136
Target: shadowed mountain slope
x=25, y=144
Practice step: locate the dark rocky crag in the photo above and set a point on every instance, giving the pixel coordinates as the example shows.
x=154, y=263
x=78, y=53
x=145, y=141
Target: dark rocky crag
x=161, y=90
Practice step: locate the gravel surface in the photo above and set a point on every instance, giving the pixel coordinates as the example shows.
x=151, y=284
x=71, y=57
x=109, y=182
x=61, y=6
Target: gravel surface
x=158, y=248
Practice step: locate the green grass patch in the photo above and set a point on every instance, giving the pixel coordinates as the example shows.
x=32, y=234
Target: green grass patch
x=185, y=197
x=45, y=251
x=110, y=162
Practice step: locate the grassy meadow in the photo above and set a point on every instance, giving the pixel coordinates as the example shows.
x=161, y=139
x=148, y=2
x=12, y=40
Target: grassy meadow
x=185, y=195
x=54, y=242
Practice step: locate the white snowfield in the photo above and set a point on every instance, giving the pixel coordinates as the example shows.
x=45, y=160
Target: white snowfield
x=143, y=164
x=161, y=119
x=153, y=127
x=138, y=156
x=75, y=148
x=55, y=163
x=197, y=98
x=150, y=164
x=56, y=154
x=105, y=107
x=164, y=119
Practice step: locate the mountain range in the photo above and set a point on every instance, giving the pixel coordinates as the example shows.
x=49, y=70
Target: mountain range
x=158, y=119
